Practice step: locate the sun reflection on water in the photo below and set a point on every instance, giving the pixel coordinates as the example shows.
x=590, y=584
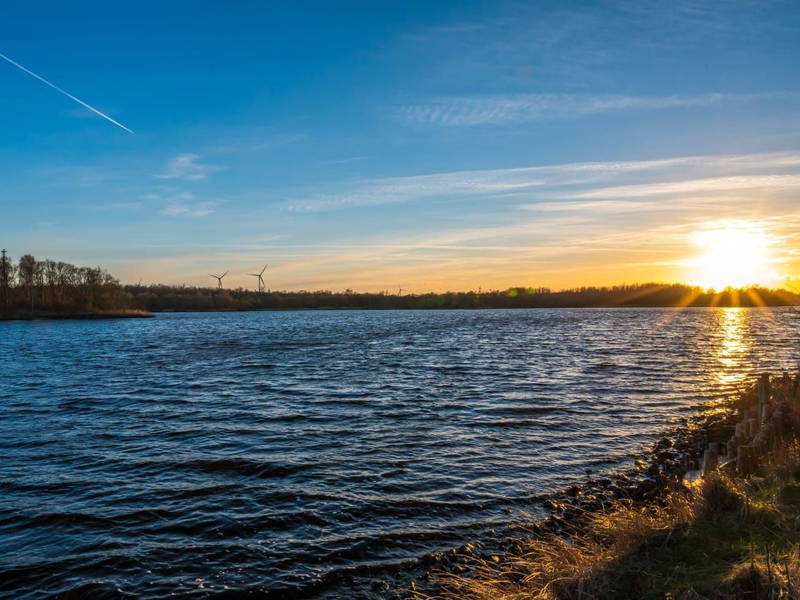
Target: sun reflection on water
x=733, y=345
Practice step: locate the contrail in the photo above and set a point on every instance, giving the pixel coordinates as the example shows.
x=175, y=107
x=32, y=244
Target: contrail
x=67, y=94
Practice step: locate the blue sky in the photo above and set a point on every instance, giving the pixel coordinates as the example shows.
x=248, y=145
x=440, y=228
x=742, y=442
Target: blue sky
x=375, y=145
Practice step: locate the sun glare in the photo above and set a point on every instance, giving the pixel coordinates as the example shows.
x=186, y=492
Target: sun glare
x=732, y=255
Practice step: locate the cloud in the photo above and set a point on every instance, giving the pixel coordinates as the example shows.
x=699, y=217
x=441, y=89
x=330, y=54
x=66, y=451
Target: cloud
x=180, y=204
x=521, y=108
x=182, y=210
x=186, y=166
x=594, y=180
x=691, y=186
x=588, y=46
x=393, y=190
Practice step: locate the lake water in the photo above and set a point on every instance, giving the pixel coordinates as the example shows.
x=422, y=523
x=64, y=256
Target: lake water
x=192, y=454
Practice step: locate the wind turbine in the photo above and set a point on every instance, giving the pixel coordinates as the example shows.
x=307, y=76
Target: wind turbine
x=219, y=279
x=260, y=279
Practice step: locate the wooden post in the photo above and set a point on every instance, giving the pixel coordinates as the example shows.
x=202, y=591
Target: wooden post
x=744, y=460
x=731, y=446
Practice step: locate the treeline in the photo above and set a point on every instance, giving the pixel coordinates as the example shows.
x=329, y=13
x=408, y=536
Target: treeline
x=38, y=288
x=35, y=288
x=160, y=298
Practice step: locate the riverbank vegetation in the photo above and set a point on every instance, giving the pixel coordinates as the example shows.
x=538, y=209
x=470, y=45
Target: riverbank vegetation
x=158, y=298
x=725, y=538
x=733, y=532
x=34, y=288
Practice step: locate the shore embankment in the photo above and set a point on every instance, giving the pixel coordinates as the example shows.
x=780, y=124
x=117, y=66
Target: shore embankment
x=712, y=511
x=99, y=314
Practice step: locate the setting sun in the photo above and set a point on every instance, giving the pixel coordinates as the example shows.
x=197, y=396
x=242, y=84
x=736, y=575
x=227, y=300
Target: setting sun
x=735, y=254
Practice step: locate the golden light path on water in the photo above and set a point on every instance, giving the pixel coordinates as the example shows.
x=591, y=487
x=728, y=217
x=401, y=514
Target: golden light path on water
x=733, y=346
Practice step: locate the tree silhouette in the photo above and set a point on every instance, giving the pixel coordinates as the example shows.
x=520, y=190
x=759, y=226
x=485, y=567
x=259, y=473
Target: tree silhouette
x=53, y=288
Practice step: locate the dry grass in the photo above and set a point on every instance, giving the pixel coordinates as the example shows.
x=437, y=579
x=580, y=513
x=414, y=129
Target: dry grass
x=724, y=538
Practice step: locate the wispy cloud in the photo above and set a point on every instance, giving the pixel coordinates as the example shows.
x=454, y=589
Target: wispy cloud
x=693, y=186
x=188, y=167
x=466, y=184
x=580, y=46
x=595, y=180
x=180, y=204
x=520, y=108
x=182, y=210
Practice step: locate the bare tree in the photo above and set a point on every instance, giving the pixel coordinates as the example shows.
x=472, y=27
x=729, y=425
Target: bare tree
x=27, y=275
x=6, y=276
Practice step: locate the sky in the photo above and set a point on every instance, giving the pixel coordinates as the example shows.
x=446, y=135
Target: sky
x=379, y=145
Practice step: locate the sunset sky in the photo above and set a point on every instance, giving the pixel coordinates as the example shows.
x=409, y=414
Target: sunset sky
x=423, y=145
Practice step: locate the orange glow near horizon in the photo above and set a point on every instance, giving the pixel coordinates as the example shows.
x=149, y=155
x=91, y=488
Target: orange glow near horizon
x=735, y=254
x=709, y=254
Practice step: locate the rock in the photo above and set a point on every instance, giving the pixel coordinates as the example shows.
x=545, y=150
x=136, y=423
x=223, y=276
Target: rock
x=553, y=505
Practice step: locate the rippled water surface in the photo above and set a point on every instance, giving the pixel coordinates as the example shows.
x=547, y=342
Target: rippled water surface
x=192, y=454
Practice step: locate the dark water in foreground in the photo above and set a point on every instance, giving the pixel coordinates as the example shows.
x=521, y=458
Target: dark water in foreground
x=195, y=453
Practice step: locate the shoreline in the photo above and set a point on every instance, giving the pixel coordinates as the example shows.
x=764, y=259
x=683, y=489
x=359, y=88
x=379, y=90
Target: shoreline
x=82, y=316
x=449, y=308
x=682, y=461
x=141, y=313
x=569, y=511
x=567, y=514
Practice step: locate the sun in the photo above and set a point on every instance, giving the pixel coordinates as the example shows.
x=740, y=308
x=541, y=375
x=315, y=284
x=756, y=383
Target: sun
x=733, y=254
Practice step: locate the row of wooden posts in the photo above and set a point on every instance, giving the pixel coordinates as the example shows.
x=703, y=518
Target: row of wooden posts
x=767, y=413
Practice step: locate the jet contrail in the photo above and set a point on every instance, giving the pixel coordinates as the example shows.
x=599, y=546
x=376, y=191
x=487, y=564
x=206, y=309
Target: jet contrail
x=67, y=94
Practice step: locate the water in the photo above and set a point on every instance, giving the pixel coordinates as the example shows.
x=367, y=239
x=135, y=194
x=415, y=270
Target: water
x=192, y=454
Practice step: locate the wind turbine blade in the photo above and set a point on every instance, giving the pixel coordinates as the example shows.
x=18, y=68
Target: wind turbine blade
x=223, y=275
x=67, y=94
x=262, y=270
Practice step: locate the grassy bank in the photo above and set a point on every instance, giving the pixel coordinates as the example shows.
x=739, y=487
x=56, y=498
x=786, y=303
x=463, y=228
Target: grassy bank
x=726, y=535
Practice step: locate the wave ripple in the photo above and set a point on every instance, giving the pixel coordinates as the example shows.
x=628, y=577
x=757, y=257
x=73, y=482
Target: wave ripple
x=292, y=454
